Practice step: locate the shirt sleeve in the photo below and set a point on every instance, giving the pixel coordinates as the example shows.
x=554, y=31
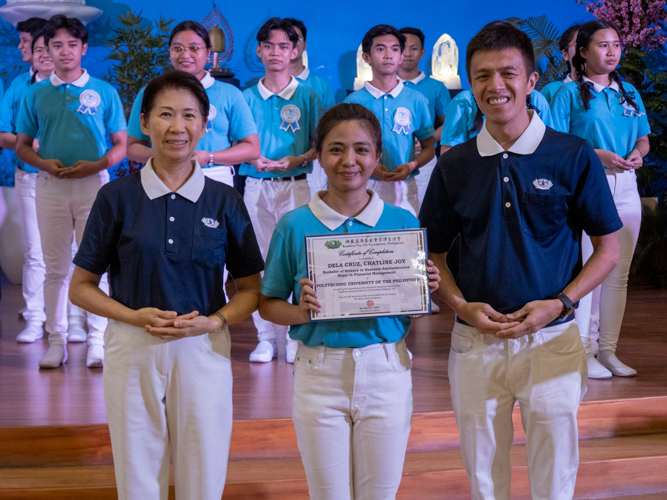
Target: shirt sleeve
x=442, y=101
x=328, y=100
x=455, y=128
x=243, y=255
x=644, y=127
x=424, y=125
x=26, y=121
x=114, y=118
x=7, y=118
x=561, y=110
x=542, y=105
x=278, y=280
x=241, y=121
x=315, y=115
x=134, y=125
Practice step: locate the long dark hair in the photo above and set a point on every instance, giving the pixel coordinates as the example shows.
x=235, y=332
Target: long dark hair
x=584, y=39
x=564, y=43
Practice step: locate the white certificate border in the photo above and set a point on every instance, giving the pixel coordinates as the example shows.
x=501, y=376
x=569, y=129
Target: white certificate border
x=426, y=297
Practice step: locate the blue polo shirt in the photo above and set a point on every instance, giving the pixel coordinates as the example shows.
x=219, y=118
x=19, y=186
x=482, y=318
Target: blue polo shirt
x=320, y=86
x=168, y=250
x=286, y=124
x=72, y=120
x=460, y=116
x=520, y=213
x=403, y=114
x=286, y=265
x=608, y=124
x=229, y=117
x=436, y=93
x=550, y=89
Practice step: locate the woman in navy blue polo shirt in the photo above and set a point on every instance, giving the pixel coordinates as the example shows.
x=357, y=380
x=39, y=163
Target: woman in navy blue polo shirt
x=352, y=403
x=165, y=234
x=609, y=114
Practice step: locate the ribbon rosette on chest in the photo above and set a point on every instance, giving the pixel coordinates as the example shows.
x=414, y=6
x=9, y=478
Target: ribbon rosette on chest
x=89, y=100
x=212, y=113
x=402, y=121
x=290, y=115
x=629, y=109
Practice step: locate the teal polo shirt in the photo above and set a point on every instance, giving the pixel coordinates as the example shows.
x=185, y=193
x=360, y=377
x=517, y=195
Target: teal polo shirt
x=229, y=117
x=286, y=265
x=435, y=92
x=320, y=86
x=550, y=89
x=72, y=120
x=461, y=113
x=286, y=124
x=608, y=124
x=9, y=109
x=403, y=114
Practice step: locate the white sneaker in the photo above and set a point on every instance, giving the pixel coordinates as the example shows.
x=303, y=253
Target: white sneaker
x=596, y=370
x=290, y=350
x=615, y=365
x=76, y=332
x=32, y=331
x=264, y=352
x=95, y=356
x=54, y=357
x=435, y=308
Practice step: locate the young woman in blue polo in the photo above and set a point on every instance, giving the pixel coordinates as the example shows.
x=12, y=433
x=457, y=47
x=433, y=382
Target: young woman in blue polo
x=610, y=114
x=567, y=45
x=165, y=234
x=352, y=402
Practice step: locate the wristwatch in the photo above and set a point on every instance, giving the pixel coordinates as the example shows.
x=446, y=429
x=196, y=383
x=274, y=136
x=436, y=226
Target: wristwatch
x=567, y=303
x=222, y=318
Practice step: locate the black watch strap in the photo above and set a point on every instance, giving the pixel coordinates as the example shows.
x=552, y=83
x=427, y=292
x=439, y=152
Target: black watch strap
x=569, y=305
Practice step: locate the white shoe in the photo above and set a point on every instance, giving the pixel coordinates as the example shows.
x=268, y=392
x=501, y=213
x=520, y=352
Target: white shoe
x=32, y=331
x=435, y=308
x=95, y=356
x=615, y=365
x=596, y=370
x=76, y=332
x=54, y=357
x=264, y=352
x=290, y=350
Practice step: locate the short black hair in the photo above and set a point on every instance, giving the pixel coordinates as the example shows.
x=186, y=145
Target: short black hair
x=297, y=24
x=501, y=35
x=381, y=30
x=191, y=26
x=73, y=26
x=414, y=31
x=175, y=80
x=567, y=36
x=32, y=25
x=277, y=24
x=348, y=112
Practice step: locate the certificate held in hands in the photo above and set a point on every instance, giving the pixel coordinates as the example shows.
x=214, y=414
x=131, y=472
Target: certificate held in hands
x=364, y=275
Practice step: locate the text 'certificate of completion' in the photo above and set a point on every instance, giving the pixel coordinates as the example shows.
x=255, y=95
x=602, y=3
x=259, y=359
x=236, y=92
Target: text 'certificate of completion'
x=361, y=275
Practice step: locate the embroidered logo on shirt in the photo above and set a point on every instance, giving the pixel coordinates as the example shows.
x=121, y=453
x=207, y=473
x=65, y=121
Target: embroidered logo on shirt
x=628, y=109
x=402, y=121
x=208, y=222
x=543, y=184
x=290, y=115
x=89, y=100
x=212, y=113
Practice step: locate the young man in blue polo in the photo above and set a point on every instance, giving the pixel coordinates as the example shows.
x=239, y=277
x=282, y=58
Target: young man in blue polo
x=403, y=114
x=72, y=114
x=286, y=113
x=519, y=195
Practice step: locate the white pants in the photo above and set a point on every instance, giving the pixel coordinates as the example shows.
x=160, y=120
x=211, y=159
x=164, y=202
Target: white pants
x=606, y=305
x=317, y=180
x=423, y=178
x=33, y=268
x=546, y=372
x=63, y=206
x=161, y=393
x=267, y=201
x=352, y=410
x=403, y=194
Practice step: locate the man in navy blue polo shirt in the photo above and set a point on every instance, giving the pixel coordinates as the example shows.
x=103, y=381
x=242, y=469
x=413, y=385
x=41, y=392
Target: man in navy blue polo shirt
x=519, y=195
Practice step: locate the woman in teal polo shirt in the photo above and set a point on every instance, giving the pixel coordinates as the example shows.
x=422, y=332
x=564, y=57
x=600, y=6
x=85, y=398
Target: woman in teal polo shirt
x=609, y=113
x=352, y=403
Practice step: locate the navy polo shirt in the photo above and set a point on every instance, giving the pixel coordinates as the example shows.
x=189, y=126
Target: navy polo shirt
x=168, y=250
x=520, y=213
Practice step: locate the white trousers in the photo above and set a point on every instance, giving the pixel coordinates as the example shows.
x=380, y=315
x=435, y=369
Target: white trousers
x=63, y=206
x=546, y=373
x=402, y=194
x=423, y=178
x=33, y=268
x=267, y=201
x=161, y=393
x=352, y=411
x=605, y=307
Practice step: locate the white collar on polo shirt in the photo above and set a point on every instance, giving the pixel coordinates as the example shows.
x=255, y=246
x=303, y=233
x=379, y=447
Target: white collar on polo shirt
x=155, y=188
x=526, y=144
x=304, y=74
x=207, y=81
x=285, y=93
x=38, y=78
x=599, y=88
x=31, y=71
x=416, y=80
x=79, y=82
x=377, y=93
x=567, y=79
x=332, y=219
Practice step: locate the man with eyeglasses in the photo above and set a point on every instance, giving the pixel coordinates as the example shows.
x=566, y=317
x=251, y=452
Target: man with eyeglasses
x=286, y=113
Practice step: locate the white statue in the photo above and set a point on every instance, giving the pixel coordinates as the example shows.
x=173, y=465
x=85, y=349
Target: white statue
x=445, y=62
x=364, y=71
x=19, y=10
x=304, y=58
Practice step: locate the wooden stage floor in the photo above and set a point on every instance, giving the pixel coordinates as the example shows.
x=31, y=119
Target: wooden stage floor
x=72, y=395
